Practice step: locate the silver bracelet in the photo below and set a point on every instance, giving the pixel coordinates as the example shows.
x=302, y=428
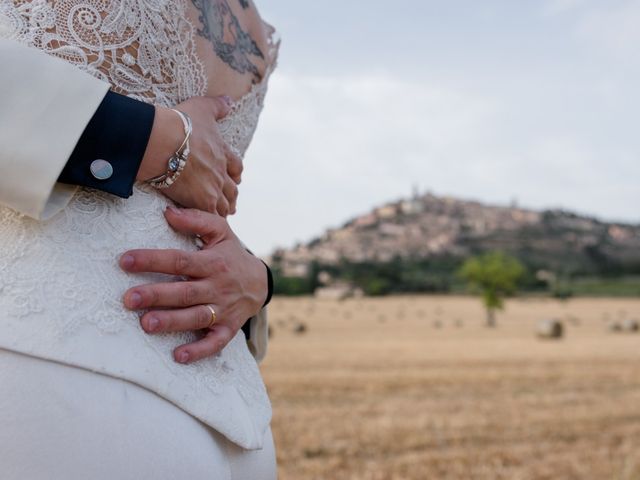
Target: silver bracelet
x=178, y=161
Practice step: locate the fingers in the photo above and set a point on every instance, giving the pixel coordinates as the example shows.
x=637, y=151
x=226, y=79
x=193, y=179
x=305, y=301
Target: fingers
x=230, y=191
x=214, y=341
x=171, y=262
x=234, y=166
x=175, y=294
x=223, y=206
x=222, y=106
x=181, y=320
x=195, y=222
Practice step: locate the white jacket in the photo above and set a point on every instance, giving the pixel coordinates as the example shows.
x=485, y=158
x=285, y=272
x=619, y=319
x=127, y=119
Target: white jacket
x=45, y=105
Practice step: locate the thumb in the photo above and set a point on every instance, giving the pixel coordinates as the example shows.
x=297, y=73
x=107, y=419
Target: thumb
x=222, y=106
x=210, y=227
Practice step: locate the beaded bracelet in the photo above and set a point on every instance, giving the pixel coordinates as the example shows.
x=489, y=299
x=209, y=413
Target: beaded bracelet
x=178, y=161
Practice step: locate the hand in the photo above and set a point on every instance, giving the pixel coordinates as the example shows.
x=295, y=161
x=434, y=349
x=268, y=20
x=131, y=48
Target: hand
x=209, y=181
x=223, y=274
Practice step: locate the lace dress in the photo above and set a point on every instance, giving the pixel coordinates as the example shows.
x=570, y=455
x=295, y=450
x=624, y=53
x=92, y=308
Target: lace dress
x=60, y=284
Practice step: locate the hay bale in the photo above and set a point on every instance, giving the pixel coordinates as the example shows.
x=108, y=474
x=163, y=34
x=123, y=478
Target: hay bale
x=615, y=327
x=300, y=328
x=550, y=329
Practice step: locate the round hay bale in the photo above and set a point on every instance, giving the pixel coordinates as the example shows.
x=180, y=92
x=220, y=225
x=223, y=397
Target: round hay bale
x=300, y=328
x=615, y=327
x=550, y=329
x=630, y=325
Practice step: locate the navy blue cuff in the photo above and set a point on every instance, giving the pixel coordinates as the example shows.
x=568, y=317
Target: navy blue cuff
x=118, y=132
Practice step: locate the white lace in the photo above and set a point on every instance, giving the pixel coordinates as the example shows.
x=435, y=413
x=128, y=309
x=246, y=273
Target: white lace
x=60, y=284
x=143, y=48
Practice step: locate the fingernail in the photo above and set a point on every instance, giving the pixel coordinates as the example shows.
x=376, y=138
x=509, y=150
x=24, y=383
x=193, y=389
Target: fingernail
x=135, y=300
x=127, y=261
x=183, y=357
x=174, y=210
x=154, y=323
x=227, y=99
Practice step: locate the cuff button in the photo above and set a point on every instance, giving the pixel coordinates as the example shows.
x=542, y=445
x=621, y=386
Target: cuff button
x=101, y=169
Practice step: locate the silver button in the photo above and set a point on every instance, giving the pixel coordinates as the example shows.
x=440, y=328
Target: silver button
x=101, y=169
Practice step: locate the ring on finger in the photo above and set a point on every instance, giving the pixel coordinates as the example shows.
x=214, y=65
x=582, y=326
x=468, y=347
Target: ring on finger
x=214, y=317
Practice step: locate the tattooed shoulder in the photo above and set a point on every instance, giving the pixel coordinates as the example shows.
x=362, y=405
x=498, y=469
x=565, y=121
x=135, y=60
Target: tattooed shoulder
x=231, y=43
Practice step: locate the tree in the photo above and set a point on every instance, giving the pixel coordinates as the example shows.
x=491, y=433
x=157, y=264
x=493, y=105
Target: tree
x=495, y=275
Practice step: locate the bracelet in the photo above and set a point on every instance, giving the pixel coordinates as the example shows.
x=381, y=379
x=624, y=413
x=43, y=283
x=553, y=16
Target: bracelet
x=178, y=161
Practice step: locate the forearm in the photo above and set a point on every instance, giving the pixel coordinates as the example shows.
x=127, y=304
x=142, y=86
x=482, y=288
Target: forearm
x=46, y=104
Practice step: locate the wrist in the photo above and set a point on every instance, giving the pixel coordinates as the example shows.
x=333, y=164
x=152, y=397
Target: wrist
x=269, y=285
x=166, y=136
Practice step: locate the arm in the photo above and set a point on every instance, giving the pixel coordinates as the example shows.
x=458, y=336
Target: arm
x=121, y=143
x=46, y=104
x=56, y=120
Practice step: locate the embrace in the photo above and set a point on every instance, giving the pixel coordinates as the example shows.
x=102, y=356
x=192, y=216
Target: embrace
x=131, y=316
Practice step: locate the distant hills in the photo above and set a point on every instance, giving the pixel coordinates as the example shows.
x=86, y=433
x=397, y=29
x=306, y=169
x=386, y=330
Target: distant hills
x=436, y=229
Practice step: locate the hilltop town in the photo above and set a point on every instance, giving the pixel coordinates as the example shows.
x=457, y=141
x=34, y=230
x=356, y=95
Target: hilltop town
x=429, y=226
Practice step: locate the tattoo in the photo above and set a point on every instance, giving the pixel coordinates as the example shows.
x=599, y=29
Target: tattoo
x=244, y=3
x=234, y=46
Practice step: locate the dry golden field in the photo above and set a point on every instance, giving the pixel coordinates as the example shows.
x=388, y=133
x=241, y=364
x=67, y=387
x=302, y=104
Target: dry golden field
x=417, y=388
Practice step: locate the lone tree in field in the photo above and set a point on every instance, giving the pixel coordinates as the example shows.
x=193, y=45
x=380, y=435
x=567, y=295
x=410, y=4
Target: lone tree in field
x=495, y=275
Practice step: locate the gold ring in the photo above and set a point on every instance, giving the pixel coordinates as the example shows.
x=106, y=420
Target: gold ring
x=214, y=317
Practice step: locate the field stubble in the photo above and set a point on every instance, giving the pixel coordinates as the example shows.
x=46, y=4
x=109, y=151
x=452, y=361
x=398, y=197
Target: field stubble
x=418, y=388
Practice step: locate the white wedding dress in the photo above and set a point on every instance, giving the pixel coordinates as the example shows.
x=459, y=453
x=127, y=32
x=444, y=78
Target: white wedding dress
x=84, y=392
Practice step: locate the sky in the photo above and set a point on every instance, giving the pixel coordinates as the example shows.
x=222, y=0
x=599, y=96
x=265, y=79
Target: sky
x=534, y=102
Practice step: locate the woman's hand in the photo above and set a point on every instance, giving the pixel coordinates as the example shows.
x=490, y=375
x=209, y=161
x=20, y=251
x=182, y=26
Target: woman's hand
x=223, y=275
x=209, y=181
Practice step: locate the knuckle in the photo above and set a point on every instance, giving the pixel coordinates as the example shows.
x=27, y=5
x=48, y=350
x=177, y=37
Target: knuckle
x=166, y=322
x=212, y=203
x=189, y=295
x=152, y=296
x=223, y=208
x=182, y=262
x=219, y=264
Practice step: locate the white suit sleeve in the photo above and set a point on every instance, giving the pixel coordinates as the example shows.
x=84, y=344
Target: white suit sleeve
x=259, y=338
x=45, y=105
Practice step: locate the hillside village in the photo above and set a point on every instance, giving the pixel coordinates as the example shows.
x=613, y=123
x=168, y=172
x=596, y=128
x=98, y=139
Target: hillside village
x=428, y=226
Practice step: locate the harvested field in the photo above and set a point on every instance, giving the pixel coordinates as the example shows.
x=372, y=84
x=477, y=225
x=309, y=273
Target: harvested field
x=418, y=388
